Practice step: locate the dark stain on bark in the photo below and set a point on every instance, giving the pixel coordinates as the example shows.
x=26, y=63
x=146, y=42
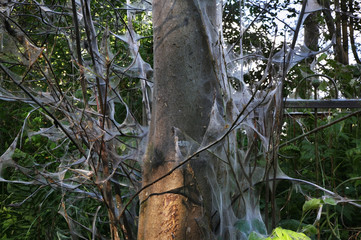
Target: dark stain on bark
x=157, y=159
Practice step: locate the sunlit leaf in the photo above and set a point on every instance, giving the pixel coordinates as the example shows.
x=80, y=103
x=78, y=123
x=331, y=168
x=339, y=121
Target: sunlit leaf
x=314, y=203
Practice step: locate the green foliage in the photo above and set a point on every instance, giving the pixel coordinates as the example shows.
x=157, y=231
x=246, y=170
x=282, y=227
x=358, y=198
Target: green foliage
x=255, y=236
x=248, y=227
x=25, y=219
x=339, y=169
x=284, y=234
x=280, y=234
x=311, y=204
x=12, y=115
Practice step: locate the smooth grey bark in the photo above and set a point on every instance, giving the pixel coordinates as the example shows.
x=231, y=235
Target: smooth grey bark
x=186, y=86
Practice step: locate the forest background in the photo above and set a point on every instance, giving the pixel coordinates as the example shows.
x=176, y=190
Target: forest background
x=76, y=85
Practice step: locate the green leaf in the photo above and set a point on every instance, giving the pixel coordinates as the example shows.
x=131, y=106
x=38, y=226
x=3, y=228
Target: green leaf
x=322, y=57
x=291, y=224
x=330, y=201
x=314, y=203
x=255, y=236
x=357, y=183
x=243, y=226
x=259, y=226
x=285, y=234
x=309, y=230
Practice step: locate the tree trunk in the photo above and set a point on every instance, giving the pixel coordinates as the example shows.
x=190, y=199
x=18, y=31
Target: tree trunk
x=344, y=18
x=311, y=32
x=352, y=36
x=178, y=206
x=341, y=55
x=341, y=36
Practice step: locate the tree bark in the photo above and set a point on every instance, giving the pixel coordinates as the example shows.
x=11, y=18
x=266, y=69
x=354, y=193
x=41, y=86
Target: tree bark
x=341, y=34
x=344, y=18
x=311, y=32
x=185, y=86
x=340, y=53
x=352, y=36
